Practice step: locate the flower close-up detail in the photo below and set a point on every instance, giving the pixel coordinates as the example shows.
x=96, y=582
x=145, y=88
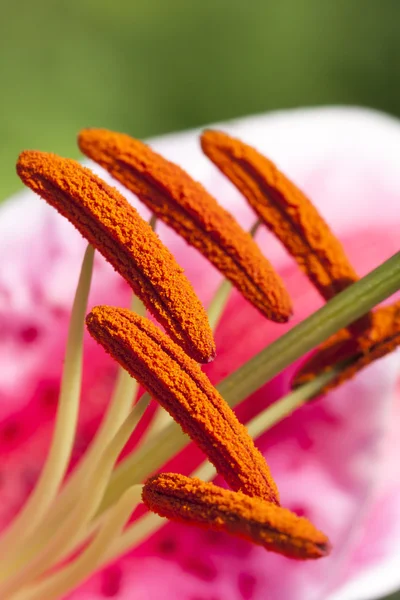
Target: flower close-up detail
x=199, y=383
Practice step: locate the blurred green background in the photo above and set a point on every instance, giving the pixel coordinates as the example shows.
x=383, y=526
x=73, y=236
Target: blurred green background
x=156, y=66
x=162, y=65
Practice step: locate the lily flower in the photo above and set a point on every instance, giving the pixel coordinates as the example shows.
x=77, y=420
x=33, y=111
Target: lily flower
x=332, y=454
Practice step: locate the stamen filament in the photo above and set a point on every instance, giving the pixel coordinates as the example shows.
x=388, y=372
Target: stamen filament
x=221, y=296
x=69, y=577
x=218, y=303
x=59, y=454
x=133, y=535
x=68, y=534
x=118, y=410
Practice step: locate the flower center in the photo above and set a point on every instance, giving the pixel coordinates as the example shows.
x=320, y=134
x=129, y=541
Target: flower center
x=67, y=530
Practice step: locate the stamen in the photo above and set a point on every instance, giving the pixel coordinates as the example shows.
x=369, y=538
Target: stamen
x=192, y=501
x=69, y=577
x=150, y=522
x=339, y=312
x=383, y=338
x=115, y=228
x=189, y=209
x=286, y=211
x=180, y=386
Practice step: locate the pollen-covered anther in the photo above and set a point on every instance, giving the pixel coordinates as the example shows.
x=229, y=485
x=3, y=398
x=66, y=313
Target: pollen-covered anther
x=193, y=213
x=287, y=212
x=194, y=502
x=352, y=354
x=106, y=219
x=179, y=385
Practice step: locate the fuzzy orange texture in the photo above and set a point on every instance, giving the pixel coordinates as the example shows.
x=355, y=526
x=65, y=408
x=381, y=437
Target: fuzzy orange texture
x=107, y=220
x=194, y=502
x=179, y=385
x=382, y=338
x=287, y=212
x=193, y=213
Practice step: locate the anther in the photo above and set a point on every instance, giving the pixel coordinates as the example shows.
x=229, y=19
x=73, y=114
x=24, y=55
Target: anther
x=179, y=385
x=194, y=502
x=287, y=212
x=106, y=219
x=193, y=213
x=354, y=353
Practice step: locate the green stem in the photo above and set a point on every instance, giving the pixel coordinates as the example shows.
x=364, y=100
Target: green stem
x=343, y=309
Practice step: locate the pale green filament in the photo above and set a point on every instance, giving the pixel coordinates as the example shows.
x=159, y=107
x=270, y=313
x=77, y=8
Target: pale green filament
x=67, y=579
x=218, y=303
x=161, y=419
x=118, y=409
x=71, y=529
x=339, y=312
x=221, y=296
x=57, y=461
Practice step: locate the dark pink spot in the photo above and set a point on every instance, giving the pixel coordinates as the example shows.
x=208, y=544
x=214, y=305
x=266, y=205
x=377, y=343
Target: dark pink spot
x=304, y=440
x=223, y=543
x=29, y=477
x=214, y=538
x=81, y=444
x=204, y=598
x=299, y=510
x=10, y=431
x=29, y=334
x=201, y=569
x=246, y=585
x=111, y=580
x=49, y=395
x=5, y=293
x=167, y=546
x=59, y=312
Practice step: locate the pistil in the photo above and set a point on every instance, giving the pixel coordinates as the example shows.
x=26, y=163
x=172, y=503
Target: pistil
x=358, y=352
